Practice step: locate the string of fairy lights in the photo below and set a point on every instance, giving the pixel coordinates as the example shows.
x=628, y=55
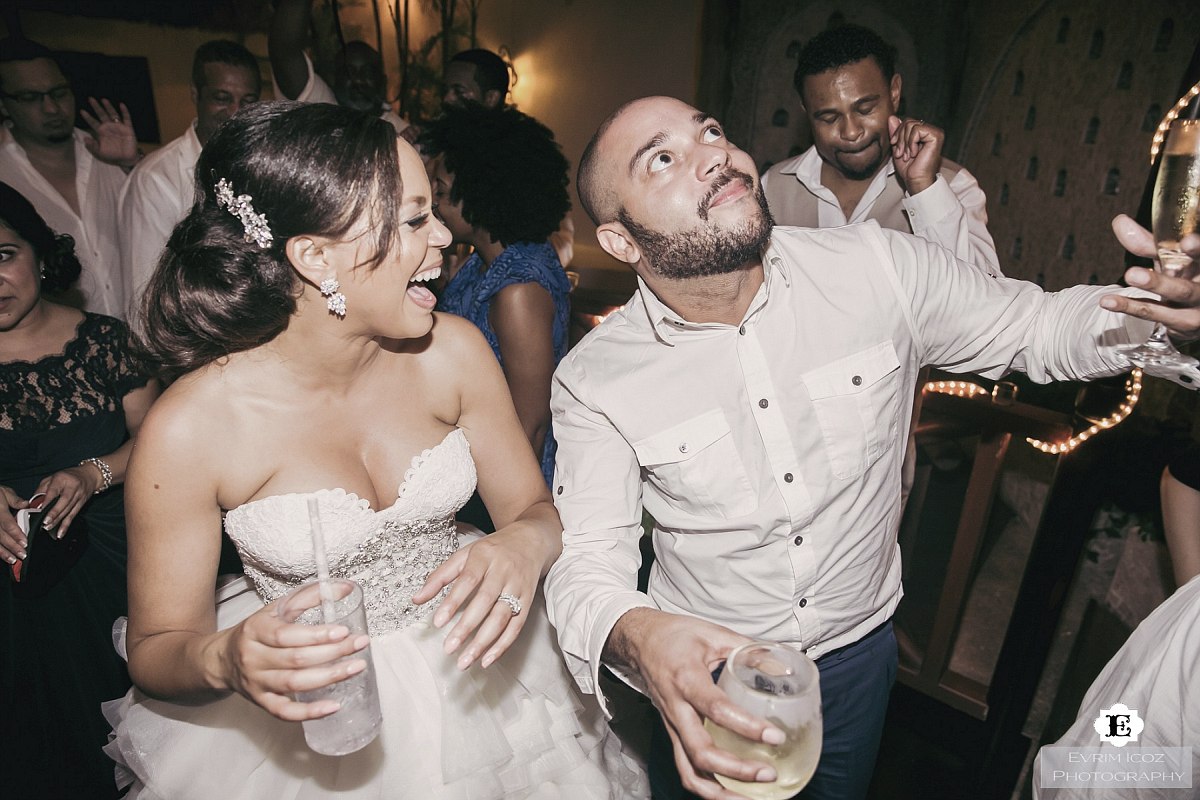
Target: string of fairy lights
x=1133, y=385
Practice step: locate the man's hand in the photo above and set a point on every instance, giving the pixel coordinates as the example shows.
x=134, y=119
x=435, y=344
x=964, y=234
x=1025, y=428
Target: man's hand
x=675, y=656
x=1179, y=308
x=113, y=140
x=916, y=152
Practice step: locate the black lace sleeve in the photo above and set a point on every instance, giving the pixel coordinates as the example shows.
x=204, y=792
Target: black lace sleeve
x=109, y=354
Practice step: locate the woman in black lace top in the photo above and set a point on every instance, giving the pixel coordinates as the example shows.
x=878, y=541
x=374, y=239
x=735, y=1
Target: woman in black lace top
x=70, y=401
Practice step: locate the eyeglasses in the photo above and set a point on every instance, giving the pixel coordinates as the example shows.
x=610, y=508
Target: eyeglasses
x=31, y=97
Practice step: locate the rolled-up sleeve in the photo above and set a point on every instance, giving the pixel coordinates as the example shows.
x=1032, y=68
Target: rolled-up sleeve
x=597, y=490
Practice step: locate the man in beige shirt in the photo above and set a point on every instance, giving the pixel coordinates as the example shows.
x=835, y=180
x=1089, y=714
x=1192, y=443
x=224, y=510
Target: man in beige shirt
x=754, y=397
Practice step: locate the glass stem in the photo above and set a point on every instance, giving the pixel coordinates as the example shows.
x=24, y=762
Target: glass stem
x=1159, y=339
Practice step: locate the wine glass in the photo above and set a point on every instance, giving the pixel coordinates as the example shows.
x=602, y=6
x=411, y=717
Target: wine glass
x=1175, y=215
x=781, y=685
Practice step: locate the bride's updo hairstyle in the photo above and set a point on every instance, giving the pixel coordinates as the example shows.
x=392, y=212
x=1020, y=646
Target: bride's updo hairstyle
x=309, y=169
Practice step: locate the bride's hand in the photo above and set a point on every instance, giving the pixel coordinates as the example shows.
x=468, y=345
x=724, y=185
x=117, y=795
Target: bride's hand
x=506, y=563
x=268, y=660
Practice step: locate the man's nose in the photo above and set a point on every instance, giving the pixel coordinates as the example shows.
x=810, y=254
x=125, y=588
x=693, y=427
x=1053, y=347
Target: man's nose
x=712, y=159
x=851, y=129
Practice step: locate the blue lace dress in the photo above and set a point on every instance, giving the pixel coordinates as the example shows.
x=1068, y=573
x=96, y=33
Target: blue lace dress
x=470, y=292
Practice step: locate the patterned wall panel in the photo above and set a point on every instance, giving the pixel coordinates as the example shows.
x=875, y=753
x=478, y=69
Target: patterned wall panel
x=1060, y=137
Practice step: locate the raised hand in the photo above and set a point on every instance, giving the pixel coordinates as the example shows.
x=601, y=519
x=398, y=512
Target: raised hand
x=113, y=140
x=675, y=656
x=1179, y=304
x=267, y=660
x=916, y=152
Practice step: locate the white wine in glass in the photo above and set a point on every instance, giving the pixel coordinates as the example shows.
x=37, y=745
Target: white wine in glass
x=782, y=685
x=1175, y=214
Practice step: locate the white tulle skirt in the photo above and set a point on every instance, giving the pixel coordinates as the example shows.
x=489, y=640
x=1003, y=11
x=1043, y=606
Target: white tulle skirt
x=515, y=730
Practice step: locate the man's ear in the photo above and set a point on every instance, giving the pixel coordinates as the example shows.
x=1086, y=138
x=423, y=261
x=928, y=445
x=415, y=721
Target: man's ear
x=895, y=92
x=307, y=255
x=195, y=95
x=617, y=242
x=493, y=98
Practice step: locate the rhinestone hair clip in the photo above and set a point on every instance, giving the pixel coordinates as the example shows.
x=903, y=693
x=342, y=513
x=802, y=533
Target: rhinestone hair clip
x=255, y=225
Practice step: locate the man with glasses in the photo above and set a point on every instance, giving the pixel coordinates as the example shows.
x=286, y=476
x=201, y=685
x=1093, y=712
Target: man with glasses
x=73, y=179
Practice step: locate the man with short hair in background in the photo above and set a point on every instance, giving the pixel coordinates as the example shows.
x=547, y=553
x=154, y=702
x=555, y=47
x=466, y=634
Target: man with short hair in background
x=73, y=179
x=359, y=81
x=868, y=163
x=476, y=76
x=225, y=78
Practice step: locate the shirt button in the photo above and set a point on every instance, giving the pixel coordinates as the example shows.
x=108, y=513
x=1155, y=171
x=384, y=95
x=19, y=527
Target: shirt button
x=763, y=403
x=683, y=448
x=799, y=540
x=856, y=380
x=560, y=490
x=787, y=477
x=803, y=602
x=742, y=330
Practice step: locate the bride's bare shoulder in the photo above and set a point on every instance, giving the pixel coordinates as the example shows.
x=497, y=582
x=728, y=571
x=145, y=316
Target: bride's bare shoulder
x=453, y=342
x=190, y=410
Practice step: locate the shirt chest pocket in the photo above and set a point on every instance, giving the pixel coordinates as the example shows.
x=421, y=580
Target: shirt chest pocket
x=695, y=468
x=856, y=401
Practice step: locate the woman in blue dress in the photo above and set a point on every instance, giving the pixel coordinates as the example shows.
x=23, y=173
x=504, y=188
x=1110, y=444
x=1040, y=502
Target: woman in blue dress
x=500, y=186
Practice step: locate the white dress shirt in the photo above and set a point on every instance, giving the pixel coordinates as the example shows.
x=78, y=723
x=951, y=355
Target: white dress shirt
x=316, y=90
x=103, y=283
x=157, y=196
x=952, y=213
x=1154, y=672
x=769, y=453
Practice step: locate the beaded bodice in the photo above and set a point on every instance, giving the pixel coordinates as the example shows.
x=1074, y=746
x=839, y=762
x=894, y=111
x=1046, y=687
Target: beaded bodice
x=389, y=552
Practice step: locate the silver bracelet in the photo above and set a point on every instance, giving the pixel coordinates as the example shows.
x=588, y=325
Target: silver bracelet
x=105, y=472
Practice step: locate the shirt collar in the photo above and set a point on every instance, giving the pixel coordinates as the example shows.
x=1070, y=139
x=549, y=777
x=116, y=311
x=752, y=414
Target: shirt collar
x=807, y=169
x=667, y=325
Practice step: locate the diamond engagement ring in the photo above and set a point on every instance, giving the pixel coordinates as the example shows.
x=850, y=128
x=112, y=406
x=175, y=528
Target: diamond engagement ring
x=512, y=601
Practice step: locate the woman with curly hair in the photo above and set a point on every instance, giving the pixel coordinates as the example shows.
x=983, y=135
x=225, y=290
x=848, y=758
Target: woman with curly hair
x=500, y=184
x=71, y=401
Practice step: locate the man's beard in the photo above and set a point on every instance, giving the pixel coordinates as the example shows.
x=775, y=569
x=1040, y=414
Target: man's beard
x=864, y=173
x=705, y=251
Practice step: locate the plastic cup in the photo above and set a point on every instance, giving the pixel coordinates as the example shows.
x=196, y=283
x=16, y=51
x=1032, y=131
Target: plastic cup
x=354, y=725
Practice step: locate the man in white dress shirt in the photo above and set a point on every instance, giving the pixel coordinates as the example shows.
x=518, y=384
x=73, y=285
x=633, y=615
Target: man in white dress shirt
x=225, y=77
x=754, y=397
x=73, y=179
x=359, y=81
x=867, y=163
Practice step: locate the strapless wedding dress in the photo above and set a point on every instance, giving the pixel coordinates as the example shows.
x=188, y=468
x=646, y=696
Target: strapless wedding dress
x=518, y=729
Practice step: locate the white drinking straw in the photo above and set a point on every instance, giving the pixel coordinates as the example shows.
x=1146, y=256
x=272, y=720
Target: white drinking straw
x=328, y=614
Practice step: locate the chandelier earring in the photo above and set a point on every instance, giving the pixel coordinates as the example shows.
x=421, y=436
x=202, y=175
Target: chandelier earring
x=333, y=298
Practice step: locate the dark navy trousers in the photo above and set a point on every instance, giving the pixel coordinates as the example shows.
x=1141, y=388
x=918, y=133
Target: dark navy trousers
x=856, y=681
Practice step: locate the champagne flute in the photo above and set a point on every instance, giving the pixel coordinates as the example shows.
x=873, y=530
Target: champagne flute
x=1175, y=215
x=782, y=685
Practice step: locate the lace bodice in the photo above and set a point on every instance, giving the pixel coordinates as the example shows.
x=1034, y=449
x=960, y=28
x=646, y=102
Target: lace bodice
x=389, y=552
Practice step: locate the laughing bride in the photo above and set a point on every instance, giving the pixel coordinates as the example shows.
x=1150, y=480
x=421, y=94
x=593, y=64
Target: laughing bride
x=290, y=306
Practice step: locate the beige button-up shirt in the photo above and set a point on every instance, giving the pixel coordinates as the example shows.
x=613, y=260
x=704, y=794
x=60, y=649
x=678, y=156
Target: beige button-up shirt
x=952, y=212
x=769, y=452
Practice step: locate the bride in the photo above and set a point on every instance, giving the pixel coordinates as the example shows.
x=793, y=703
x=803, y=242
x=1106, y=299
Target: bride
x=290, y=303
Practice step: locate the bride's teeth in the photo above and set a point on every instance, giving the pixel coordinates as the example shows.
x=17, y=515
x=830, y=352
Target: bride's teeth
x=427, y=275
